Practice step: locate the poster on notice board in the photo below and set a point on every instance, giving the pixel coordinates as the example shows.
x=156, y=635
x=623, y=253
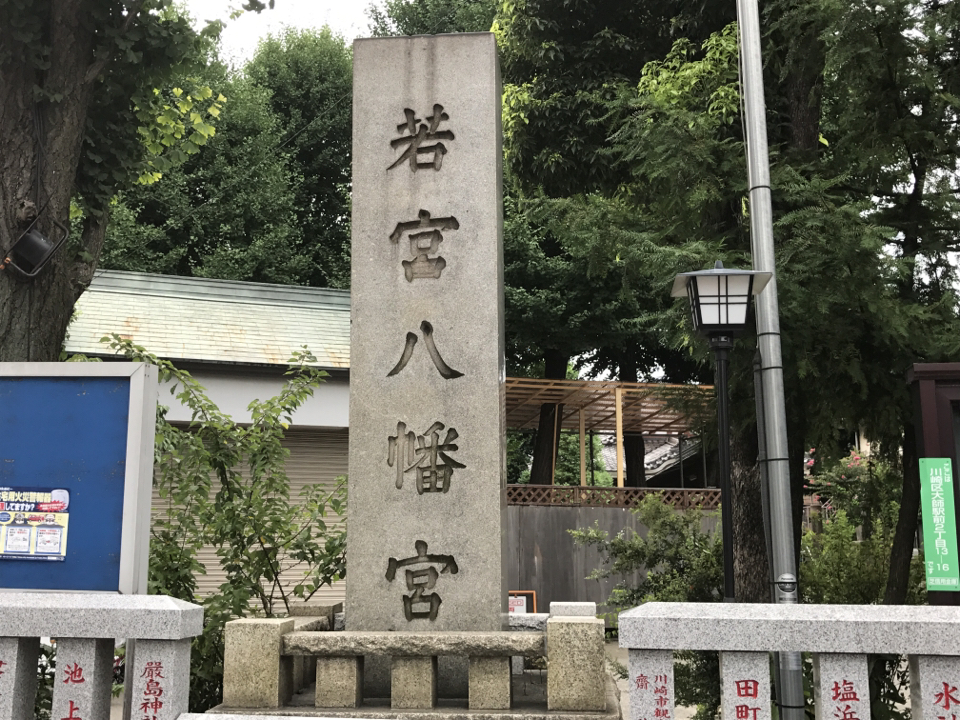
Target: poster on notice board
x=33, y=523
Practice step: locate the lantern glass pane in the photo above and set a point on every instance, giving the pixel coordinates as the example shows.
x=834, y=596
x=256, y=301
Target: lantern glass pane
x=737, y=312
x=710, y=311
x=708, y=287
x=738, y=285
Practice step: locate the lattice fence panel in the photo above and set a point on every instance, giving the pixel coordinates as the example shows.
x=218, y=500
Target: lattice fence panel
x=574, y=495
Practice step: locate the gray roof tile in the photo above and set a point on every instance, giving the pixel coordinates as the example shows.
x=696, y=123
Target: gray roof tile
x=181, y=318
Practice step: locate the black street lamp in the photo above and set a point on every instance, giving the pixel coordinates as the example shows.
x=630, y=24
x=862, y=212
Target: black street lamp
x=720, y=303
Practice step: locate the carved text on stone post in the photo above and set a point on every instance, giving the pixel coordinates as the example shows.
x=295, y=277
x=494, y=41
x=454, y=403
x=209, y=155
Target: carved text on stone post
x=424, y=236
x=427, y=329
x=422, y=138
x=425, y=455
x=418, y=604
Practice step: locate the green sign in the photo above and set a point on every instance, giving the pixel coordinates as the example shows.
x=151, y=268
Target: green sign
x=939, y=524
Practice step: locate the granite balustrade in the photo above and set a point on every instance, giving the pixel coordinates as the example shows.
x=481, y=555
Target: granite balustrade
x=840, y=637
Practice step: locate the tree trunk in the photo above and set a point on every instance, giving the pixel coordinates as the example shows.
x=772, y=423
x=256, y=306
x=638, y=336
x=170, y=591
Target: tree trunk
x=902, y=551
x=40, y=145
x=548, y=432
x=751, y=575
x=634, y=448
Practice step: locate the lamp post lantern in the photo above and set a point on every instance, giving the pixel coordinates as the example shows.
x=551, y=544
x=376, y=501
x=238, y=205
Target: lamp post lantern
x=720, y=305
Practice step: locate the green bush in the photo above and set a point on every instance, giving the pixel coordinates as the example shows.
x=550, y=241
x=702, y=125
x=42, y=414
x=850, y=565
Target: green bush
x=679, y=561
x=275, y=550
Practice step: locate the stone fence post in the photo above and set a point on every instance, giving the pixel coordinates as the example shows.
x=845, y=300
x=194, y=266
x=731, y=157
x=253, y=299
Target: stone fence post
x=86, y=627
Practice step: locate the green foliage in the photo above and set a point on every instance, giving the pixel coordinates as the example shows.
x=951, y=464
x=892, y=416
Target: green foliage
x=133, y=128
x=267, y=199
x=309, y=77
x=567, y=470
x=228, y=212
x=838, y=567
x=867, y=489
x=678, y=561
x=430, y=17
x=46, y=674
x=224, y=485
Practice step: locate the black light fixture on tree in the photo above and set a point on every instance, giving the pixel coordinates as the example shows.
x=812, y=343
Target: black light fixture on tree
x=33, y=250
x=720, y=304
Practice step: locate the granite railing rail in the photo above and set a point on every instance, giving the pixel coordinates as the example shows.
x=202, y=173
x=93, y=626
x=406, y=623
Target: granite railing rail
x=86, y=627
x=840, y=637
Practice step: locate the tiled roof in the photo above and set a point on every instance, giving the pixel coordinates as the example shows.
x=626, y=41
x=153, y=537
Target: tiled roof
x=182, y=318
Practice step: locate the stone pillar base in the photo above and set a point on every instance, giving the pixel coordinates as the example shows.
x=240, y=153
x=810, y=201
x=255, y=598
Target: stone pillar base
x=413, y=683
x=575, y=664
x=339, y=682
x=490, y=683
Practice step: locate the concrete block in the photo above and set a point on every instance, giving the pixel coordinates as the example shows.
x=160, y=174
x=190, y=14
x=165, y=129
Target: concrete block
x=755, y=627
x=98, y=615
x=255, y=675
x=18, y=677
x=490, y=683
x=745, y=686
x=339, y=682
x=841, y=687
x=573, y=609
x=158, y=673
x=83, y=679
x=426, y=397
x=575, y=664
x=651, y=685
x=934, y=685
x=413, y=683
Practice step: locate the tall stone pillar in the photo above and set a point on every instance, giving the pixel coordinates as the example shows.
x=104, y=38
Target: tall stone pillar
x=424, y=550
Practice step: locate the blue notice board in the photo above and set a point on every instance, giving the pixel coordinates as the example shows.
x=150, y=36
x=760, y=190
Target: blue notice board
x=66, y=439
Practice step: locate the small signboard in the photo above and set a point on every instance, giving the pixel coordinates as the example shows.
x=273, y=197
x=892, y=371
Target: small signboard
x=521, y=602
x=76, y=470
x=939, y=525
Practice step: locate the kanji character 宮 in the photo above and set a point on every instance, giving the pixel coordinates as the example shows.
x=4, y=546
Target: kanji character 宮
x=420, y=580
x=424, y=236
x=843, y=692
x=422, y=138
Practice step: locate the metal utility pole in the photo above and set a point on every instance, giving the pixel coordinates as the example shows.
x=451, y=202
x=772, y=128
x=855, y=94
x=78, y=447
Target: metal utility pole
x=768, y=338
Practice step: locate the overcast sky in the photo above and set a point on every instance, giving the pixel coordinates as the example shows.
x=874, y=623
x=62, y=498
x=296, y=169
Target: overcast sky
x=346, y=17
